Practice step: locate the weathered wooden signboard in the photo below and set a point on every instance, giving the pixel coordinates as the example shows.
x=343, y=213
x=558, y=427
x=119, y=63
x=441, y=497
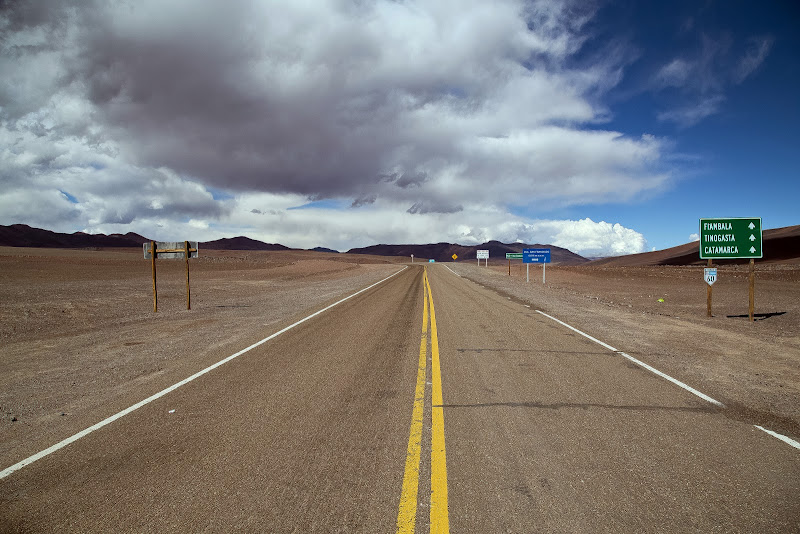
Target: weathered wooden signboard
x=170, y=250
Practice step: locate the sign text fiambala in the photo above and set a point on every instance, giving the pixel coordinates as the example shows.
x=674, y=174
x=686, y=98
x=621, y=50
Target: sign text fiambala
x=730, y=238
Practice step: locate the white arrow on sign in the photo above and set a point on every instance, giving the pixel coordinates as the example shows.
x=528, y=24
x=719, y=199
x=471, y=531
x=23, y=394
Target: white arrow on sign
x=752, y=237
x=752, y=250
x=751, y=226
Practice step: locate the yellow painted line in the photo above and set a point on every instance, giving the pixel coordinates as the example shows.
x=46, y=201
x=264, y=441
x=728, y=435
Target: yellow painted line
x=440, y=521
x=407, y=514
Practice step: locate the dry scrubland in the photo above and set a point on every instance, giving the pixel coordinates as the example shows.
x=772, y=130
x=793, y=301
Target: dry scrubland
x=754, y=368
x=79, y=340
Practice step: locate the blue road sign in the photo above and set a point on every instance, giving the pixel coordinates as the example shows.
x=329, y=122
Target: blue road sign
x=431, y=261
x=536, y=255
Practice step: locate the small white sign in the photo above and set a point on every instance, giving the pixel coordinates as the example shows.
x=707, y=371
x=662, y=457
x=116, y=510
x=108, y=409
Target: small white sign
x=483, y=254
x=710, y=275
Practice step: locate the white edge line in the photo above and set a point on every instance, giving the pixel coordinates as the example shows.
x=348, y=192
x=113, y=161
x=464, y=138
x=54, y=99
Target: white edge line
x=640, y=363
x=606, y=345
x=75, y=437
x=781, y=437
x=452, y=271
x=673, y=380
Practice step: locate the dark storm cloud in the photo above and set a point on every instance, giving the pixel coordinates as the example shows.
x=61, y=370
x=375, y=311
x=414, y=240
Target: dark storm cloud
x=364, y=200
x=322, y=100
x=141, y=109
x=411, y=180
x=429, y=207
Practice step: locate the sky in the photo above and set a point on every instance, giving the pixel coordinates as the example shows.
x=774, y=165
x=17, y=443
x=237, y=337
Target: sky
x=605, y=127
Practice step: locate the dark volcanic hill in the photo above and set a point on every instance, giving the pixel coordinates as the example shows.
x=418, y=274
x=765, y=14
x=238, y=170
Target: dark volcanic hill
x=445, y=251
x=22, y=235
x=781, y=245
x=241, y=243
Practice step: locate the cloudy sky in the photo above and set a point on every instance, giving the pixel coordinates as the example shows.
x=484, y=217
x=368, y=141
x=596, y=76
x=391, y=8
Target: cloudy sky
x=603, y=127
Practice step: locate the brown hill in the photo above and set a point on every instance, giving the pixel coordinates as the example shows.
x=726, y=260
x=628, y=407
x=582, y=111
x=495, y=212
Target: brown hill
x=445, y=251
x=22, y=235
x=241, y=243
x=781, y=245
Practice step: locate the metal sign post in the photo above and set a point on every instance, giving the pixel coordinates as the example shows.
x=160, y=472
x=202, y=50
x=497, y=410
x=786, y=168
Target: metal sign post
x=536, y=255
x=710, y=276
x=732, y=238
x=170, y=250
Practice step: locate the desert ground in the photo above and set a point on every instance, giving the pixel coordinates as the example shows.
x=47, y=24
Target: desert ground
x=79, y=340
x=752, y=367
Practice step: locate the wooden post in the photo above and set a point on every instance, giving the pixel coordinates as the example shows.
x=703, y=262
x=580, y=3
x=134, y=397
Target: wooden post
x=752, y=287
x=153, y=260
x=188, y=295
x=708, y=293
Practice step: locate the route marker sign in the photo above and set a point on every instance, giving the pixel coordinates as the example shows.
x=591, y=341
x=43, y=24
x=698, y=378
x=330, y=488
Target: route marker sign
x=731, y=238
x=710, y=275
x=455, y=257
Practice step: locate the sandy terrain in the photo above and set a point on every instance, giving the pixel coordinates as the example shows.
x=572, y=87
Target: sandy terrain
x=79, y=340
x=754, y=368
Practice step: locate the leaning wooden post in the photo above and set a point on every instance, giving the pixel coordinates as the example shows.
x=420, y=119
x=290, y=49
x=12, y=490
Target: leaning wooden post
x=186, y=255
x=708, y=294
x=153, y=261
x=752, y=287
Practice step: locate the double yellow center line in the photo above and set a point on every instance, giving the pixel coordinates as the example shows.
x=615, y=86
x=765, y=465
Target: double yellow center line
x=407, y=514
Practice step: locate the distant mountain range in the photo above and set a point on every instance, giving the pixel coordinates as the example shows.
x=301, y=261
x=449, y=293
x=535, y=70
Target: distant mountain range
x=241, y=243
x=445, y=251
x=780, y=245
x=22, y=235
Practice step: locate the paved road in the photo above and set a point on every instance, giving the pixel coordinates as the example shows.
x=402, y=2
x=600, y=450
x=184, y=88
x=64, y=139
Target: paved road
x=314, y=431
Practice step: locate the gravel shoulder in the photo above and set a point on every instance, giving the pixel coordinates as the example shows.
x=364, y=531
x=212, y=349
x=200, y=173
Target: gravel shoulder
x=753, y=368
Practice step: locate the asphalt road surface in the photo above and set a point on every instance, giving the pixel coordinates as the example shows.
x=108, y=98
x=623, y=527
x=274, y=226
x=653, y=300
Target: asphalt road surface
x=425, y=403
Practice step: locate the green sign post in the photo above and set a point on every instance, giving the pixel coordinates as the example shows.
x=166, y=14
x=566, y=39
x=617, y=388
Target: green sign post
x=512, y=256
x=732, y=238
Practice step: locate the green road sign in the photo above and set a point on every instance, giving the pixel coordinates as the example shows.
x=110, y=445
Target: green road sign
x=730, y=238
x=513, y=255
